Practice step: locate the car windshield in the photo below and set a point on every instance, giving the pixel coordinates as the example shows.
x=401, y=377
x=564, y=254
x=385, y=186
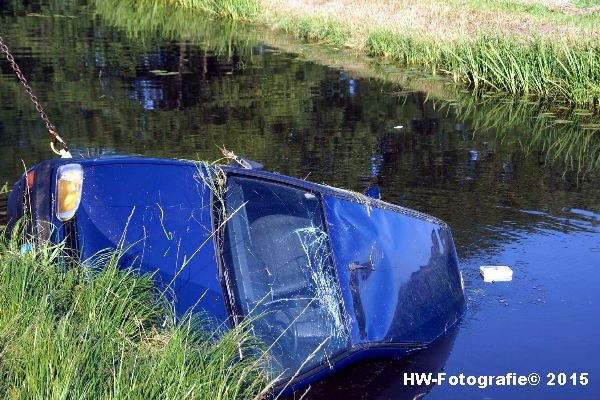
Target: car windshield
x=279, y=266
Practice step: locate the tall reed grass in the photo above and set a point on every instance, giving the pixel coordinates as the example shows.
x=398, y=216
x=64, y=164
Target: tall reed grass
x=558, y=71
x=92, y=330
x=235, y=9
x=146, y=20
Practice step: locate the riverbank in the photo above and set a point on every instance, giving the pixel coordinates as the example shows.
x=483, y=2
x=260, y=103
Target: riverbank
x=567, y=135
x=101, y=332
x=548, y=49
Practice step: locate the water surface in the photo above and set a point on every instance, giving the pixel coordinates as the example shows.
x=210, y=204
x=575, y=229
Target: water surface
x=517, y=182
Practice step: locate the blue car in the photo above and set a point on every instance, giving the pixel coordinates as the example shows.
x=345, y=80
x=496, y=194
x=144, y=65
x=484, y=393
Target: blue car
x=335, y=276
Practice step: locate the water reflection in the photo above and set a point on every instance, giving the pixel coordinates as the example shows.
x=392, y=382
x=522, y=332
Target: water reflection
x=3, y=212
x=384, y=379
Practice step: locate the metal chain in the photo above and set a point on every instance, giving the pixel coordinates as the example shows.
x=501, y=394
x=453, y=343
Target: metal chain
x=49, y=125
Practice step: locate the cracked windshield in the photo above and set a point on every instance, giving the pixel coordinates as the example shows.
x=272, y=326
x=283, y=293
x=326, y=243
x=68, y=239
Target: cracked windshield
x=281, y=266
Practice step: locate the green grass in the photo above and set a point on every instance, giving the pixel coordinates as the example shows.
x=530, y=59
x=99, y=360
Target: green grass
x=586, y=3
x=235, y=9
x=99, y=332
x=535, y=11
x=515, y=7
x=511, y=6
x=314, y=29
x=560, y=72
x=143, y=19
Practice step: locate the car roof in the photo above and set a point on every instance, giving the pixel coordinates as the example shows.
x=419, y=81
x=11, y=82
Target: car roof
x=272, y=176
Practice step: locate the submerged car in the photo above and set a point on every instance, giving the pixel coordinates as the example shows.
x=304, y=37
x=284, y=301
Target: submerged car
x=334, y=276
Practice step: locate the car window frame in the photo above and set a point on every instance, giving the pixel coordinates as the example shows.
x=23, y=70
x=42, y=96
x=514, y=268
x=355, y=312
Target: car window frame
x=225, y=270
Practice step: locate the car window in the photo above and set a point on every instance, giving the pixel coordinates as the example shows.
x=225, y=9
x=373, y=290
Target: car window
x=277, y=253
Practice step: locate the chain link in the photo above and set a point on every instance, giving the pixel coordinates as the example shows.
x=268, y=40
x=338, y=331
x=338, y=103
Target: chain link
x=38, y=106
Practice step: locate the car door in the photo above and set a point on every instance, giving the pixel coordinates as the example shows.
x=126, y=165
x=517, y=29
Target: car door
x=397, y=269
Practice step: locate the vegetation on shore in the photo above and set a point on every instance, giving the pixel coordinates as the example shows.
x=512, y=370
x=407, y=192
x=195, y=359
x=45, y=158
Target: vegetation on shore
x=559, y=72
x=567, y=135
x=234, y=9
x=548, y=53
x=95, y=331
x=545, y=49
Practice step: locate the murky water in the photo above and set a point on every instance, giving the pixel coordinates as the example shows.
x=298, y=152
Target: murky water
x=518, y=185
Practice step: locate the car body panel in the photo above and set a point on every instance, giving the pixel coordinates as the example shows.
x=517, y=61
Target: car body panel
x=399, y=274
x=159, y=215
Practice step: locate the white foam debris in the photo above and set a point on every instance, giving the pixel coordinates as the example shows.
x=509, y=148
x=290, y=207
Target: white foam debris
x=496, y=273
x=398, y=127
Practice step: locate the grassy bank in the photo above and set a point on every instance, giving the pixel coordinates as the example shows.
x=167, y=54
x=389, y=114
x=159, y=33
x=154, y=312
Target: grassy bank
x=95, y=331
x=234, y=9
x=568, y=137
x=556, y=71
x=505, y=46
x=545, y=48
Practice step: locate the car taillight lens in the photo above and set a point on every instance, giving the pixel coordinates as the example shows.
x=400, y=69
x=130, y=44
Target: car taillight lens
x=68, y=190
